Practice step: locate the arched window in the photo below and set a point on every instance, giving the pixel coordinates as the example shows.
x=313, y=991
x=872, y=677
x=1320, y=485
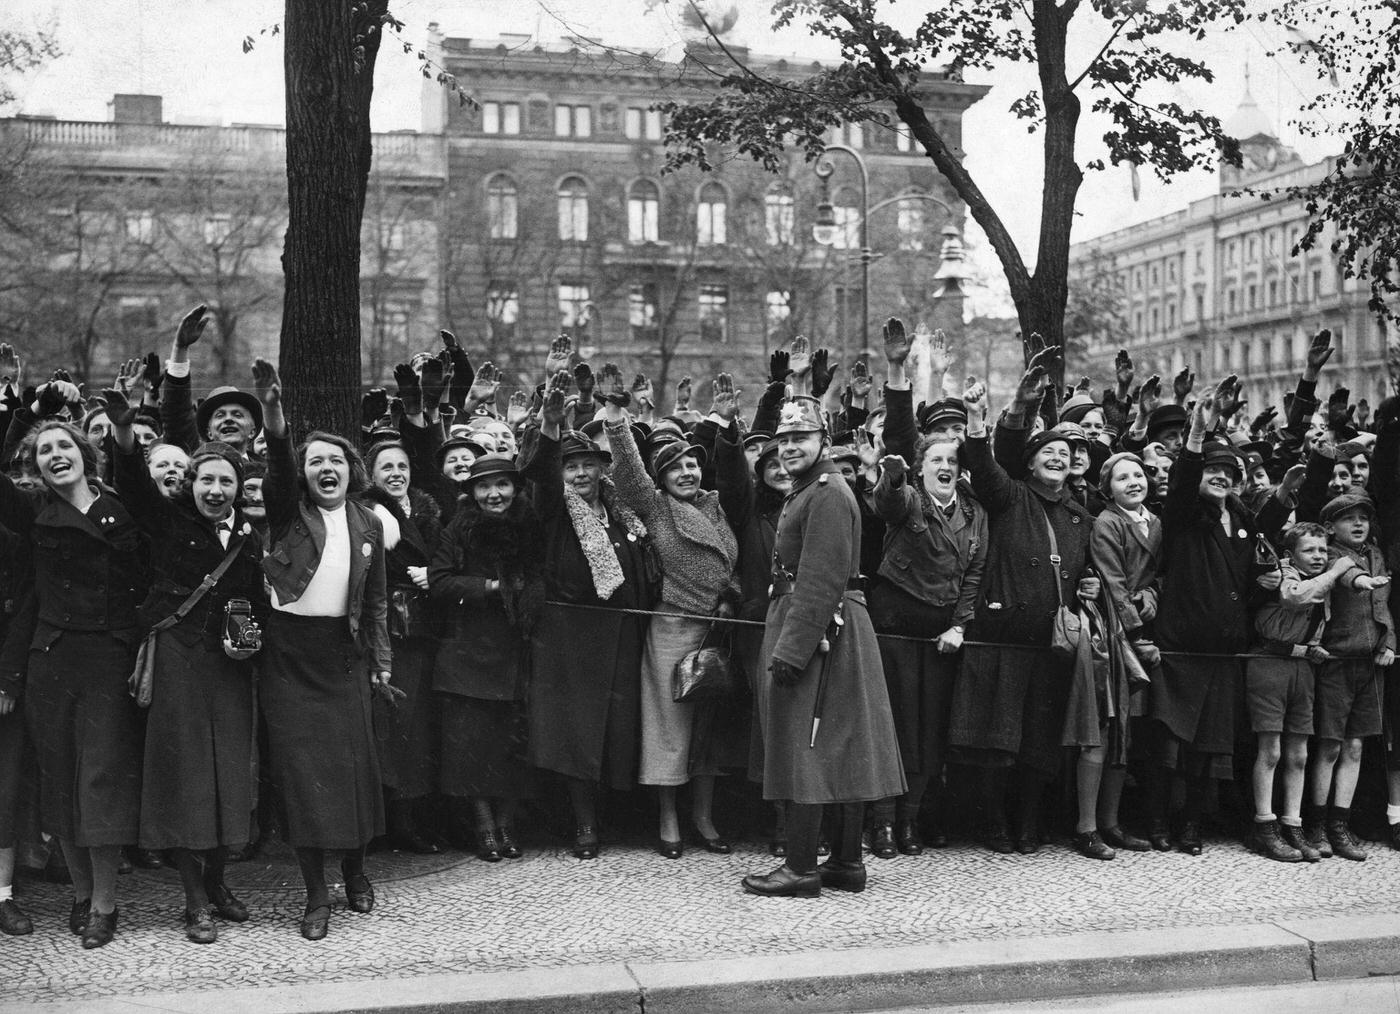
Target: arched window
x=501, y=207
x=573, y=209
x=779, y=216
x=643, y=212
x=909, y=215
x=711, y=212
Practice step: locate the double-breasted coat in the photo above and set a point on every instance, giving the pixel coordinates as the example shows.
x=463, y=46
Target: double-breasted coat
x=855, y=757
x=82, y=632
x=1011, y=699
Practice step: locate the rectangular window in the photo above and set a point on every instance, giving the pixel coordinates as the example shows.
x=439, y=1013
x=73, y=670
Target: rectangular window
x=573, y=121
x=855, y=135
x=713, y=303
x=847, y=227
x=1253, y=295
x=140, y=227
x=910, y=218
x=573, y=216
x=501, y=212
x=643, y=217
x=779, y=219
x=777, y=310
x=653, y=121
x=139, y=313
x=711, y=225
x=575, y=310
x=216, y=229
x=632, y=122
x=1316, y=285
x=641, y=311
x=1171, y=316
x=502, y=309
x=1230, y=301
x=1200, y=261
x=1251, y=253
x=1273, y=291
x=490, y=117
x=903, y=140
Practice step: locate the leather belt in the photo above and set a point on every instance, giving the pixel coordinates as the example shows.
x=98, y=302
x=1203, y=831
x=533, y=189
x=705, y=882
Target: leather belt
x=783, y=586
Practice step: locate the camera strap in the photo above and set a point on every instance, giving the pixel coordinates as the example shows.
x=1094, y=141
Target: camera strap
x=210, y=580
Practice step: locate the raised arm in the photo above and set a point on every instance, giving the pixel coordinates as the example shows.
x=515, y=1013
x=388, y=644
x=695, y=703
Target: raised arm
x=280, y=490
x=995, y=490
x=132, y=478
x=629, y=474
x=176, y=400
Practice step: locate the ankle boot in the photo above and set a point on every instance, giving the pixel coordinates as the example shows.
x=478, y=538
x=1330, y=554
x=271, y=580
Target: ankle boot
x=1266, y=840
x=1293, y=835
x=882, y=844
x=1316, y=837
x=906, y=836
x=1344, y=843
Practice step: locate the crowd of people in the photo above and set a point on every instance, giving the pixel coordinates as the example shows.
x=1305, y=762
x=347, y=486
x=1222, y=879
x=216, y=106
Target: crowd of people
x=406, y=634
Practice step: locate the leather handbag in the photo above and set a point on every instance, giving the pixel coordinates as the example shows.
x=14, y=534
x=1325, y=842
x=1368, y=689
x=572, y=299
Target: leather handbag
x=141, y=683
x=1068, y=626
x=707, y=673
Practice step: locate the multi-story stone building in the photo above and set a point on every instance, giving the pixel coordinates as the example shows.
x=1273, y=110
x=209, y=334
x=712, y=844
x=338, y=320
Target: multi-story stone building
x=1217, y=286
x=561, y=217
x=116, y=228
x=542, y=209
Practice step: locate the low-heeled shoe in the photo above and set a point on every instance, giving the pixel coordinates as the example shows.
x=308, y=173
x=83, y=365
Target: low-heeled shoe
x=488, y=850
x=882, y=844
x=13, y=921
x=78, y=916
x=842, y=876
x=199, y=926
x=585, y=842
x=100, y=929
x=224, y=903
x=784, y=882
x=906, y=837
x=359, y=893
x=718, y=845
x=509, y=848
x=315, y=922
x=1089, y=845
x=1120, y=839
x=669, y=849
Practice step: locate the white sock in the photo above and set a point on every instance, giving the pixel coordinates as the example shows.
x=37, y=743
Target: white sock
x=5, y=894
x=1263, y=818
x=1291, y=821
x=1392, y=814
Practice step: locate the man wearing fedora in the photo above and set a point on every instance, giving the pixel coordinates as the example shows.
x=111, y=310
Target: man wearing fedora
x=227, y=414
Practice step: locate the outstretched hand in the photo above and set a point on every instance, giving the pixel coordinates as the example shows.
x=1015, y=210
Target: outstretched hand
x=724, y=401
x=896, y=342
x=561, y=350
x=192, y=326
x=409, y=389
x=120, y=412
x=800, y=358
x=552, y=410
x=612, y=386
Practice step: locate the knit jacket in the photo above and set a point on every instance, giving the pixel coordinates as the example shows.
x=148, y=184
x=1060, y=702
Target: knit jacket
x=697, y=548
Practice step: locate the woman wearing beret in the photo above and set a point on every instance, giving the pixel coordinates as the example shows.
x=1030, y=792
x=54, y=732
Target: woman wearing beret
x=89, y=561
x=1009, y=702
x=585, y=702
x=488, y=576
x=326, y=652
x=698, y=554
x=409, y=748
x=197, y=785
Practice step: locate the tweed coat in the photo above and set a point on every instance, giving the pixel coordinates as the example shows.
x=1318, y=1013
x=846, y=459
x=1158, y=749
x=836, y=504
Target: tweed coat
x=856, y=756
x=1127, y=559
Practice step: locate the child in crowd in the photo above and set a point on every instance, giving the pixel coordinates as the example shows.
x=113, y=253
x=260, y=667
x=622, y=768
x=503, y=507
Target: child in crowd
x=1361, y=636
x=1279, y=691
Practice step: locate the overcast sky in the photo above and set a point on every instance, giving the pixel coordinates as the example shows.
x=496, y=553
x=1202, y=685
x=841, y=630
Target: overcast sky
x=190, y=51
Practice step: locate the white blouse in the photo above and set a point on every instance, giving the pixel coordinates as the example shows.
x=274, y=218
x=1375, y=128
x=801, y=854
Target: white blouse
x=328, y=593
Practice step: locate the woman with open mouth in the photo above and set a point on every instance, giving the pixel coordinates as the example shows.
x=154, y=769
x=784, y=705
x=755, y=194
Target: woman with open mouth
x=412, y=526
x=1009, y=702
x=197, y=787
x=88, y=555
x=325, y=654
x=487, y=575
x=584, y=708
x=698, y=553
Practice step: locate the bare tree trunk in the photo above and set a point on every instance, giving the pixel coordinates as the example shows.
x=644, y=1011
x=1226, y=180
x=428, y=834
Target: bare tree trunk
x=331, y=46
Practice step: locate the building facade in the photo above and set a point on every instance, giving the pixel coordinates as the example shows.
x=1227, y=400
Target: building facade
x=114, y=229
x=560, y=218
x=1217, y=286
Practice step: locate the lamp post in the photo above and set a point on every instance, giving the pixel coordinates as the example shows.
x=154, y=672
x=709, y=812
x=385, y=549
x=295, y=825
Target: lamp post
x=824, y=231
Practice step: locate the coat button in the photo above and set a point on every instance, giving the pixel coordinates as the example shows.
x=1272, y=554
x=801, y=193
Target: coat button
x=1064, y=574
x=1035, y=562
x=1074, y=519
x=1234, y=596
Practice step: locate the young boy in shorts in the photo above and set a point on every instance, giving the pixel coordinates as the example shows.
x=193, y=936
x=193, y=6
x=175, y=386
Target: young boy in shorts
x=1347, y=703
x=1279, y=690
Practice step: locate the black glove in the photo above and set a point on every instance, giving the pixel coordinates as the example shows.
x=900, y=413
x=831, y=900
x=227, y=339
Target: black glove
x=821, y=372
x=373, y=405
x=784, y=675
x=778, y=368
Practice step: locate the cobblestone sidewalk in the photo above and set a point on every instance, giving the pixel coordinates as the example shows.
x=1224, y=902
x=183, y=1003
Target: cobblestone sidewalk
x=456, y=914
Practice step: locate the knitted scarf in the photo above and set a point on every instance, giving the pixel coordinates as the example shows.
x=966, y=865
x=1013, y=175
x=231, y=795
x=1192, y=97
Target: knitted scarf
x=593, y=536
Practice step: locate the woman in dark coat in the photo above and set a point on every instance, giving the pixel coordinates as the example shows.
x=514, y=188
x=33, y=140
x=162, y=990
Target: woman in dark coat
x=585, y=701
x=197, y=784
x=935, y=553
x=408, y=754
x=326, y=652
x=1009, y=702
x=89, y=559
x=488, y=576
x=1208, y=542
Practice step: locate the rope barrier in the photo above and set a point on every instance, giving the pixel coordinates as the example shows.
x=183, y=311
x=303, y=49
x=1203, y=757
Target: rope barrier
x=736, y=622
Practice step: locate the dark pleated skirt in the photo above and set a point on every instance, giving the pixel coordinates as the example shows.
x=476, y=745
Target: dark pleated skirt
x=87, y=734
x=324, y=766
x=484, y=747
x=919, y=679
x=199, y=737
x=408, y=734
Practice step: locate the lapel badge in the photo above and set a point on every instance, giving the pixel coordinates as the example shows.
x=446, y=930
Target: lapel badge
x=366, y=550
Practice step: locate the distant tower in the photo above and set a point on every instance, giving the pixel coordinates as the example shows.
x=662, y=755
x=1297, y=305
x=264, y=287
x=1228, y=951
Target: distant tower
x=1260, y=147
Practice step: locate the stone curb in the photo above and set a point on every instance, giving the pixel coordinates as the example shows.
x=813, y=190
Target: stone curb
x=1083, y=964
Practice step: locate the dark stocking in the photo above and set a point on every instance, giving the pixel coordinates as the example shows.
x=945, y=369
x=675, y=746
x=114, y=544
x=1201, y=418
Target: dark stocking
x=313, y=873
x=581, y=798
x=191, y=878
x=1032, y=788
x=910, y=802
x=352, y=863
x=214, y=860
x=991, y=796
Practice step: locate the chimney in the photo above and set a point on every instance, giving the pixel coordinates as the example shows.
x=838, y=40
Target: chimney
x=136, y=109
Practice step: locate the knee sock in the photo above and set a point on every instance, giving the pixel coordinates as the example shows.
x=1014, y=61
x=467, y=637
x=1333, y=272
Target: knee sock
x=482, y=818
x=804, y=823
x=882, y=811
x=313, y=874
